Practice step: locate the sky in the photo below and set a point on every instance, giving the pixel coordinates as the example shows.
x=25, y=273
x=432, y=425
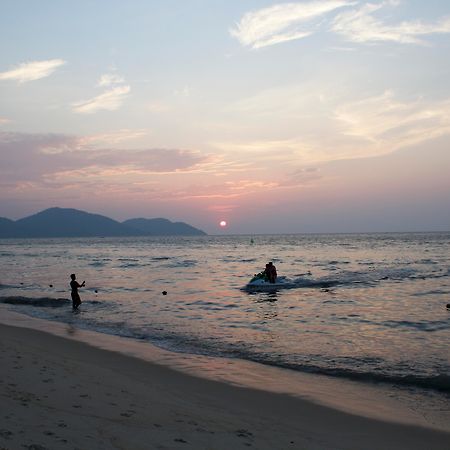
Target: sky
x=307, y=116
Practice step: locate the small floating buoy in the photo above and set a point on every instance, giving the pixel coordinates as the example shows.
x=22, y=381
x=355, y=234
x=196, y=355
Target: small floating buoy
x=96, y=291
x=448, y=305
x=50, y=285
x=164, y=292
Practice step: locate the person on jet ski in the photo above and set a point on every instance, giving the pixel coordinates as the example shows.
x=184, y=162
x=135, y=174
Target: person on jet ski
x=271, y=272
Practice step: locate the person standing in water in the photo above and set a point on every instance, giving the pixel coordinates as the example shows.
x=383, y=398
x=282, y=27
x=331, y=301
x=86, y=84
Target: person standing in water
x=74, y=285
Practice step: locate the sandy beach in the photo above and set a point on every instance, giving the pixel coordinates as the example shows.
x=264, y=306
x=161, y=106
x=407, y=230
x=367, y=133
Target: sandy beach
x=58, y=393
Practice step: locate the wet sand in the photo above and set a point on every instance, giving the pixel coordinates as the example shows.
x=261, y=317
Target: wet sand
x=58, y=393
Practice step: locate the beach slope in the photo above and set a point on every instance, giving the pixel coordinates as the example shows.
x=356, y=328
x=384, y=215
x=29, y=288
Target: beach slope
x=58, y=393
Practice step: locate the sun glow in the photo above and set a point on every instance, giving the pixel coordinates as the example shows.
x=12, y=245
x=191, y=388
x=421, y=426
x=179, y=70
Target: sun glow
x=223, y=223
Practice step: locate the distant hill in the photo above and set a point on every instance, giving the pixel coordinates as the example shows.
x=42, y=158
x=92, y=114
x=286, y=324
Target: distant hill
x=162, y=227
x=7, y=228
x=64, y=222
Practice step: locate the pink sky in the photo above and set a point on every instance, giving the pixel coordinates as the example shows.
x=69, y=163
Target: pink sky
x=314, y=116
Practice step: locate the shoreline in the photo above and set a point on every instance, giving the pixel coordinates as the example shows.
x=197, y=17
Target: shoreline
x=382, y=401
x=93, y=397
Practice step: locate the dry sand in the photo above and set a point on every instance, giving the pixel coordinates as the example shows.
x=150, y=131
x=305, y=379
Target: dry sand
x=58, y=393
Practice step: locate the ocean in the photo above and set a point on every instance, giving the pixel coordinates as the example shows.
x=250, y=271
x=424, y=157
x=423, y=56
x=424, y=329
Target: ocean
x=365, y=307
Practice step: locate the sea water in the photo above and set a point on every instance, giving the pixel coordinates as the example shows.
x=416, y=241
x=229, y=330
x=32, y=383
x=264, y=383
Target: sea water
x=367, y=307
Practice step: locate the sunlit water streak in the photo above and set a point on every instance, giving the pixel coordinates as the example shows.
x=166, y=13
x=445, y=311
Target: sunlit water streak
x=375, y=311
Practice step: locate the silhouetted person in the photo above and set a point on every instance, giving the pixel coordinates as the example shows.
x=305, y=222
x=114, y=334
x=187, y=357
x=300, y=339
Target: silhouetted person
x=271, y=272
x=76, y=301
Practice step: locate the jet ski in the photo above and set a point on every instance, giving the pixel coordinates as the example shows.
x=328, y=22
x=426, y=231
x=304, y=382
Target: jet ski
x=260, y=282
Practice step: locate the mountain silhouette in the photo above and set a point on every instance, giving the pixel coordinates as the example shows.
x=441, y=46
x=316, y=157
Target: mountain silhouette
x=162, y=227
x=65, y=222
x=7, y=228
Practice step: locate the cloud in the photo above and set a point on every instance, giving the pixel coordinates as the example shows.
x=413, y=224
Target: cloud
x=359, y=25
x=184, y=92
x=114, y=137
x=232, y=189
x=293, y=126
x=288, y=21
x=282, y=22
x=154, y=160
x=386, y=124
x=65, y=167
x=38, y=159
x=33, y=70
x=110, y=79
x=4, y=120
x=110, y=100
x=158, y=107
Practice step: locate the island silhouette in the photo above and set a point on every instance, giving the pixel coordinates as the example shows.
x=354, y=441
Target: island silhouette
x=68, y=222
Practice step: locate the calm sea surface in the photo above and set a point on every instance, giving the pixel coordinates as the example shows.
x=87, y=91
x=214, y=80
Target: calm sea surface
x=373, y=307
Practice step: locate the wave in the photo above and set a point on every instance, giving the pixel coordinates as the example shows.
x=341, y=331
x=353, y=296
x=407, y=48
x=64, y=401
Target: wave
x=435, y=325
x=367, y=370
x=97, y=264
x=378, y=374
x=377, y=370
x=42, y=301
x=348, y=279
x=439, y=382
x=183, y=263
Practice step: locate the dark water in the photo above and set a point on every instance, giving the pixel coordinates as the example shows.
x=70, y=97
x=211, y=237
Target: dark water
x=373, y=307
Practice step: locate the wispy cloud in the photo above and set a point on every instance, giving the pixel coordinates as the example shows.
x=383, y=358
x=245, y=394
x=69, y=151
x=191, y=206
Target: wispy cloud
x=158, y=107
x=110, y=79
x=288, y=21
x=31, y=71
x=282, y=22
x=387, y=124
x=360, y=25
x=114, y=137
x=184, y=92
x=110, y=100
x=294, y=126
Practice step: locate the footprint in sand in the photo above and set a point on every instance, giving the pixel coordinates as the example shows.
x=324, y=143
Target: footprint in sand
x=202, y=430
x=244, y=433
x=6, y=434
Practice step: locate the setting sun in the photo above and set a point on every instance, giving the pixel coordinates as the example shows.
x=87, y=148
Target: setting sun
x=223, y=223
